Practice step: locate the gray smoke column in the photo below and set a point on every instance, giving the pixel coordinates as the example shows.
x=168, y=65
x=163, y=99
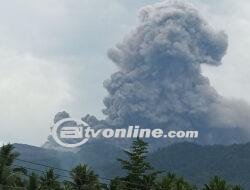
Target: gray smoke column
x=159, y=82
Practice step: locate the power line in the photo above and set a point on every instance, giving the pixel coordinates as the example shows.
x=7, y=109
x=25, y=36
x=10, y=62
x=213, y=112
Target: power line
x=67, y=177
x=41, y=171
x=68, y=171
x=12, y=187
x=57, y=175
x=60, y=169
x=38, y=164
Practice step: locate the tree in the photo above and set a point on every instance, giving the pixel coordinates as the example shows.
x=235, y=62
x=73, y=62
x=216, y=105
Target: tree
x=140, y=174
x=84, y=178
x=237, y=187
x=172, y=182
x=216, y=183
x=117, y=184
x=49, y=181
x=33, y=182
x=167, y=181
x=9, y=175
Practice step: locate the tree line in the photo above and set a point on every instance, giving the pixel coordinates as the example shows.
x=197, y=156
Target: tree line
x=140, y=175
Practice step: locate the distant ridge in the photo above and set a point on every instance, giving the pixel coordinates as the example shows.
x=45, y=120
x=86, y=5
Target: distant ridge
x=197, y=163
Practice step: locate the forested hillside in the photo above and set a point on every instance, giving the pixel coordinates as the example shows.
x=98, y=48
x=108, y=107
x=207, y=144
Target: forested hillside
x=197, y=163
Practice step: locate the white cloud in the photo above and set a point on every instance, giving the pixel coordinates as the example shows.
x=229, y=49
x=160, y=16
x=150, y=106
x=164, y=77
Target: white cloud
x=30, y=91
x=49, y=52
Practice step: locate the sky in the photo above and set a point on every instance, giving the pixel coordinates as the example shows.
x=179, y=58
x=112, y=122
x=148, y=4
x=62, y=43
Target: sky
x=53, y=57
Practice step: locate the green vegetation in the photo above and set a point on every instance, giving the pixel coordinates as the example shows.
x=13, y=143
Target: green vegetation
x=139, y=175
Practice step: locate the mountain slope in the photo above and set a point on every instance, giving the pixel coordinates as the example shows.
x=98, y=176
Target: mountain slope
x=197, y=163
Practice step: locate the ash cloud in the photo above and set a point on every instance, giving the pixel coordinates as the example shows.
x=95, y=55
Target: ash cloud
x=159, y=66
x=159, y=82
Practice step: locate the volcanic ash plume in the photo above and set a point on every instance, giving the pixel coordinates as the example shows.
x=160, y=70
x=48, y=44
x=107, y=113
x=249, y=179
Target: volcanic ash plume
x=159, y=82
x=159, y=78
